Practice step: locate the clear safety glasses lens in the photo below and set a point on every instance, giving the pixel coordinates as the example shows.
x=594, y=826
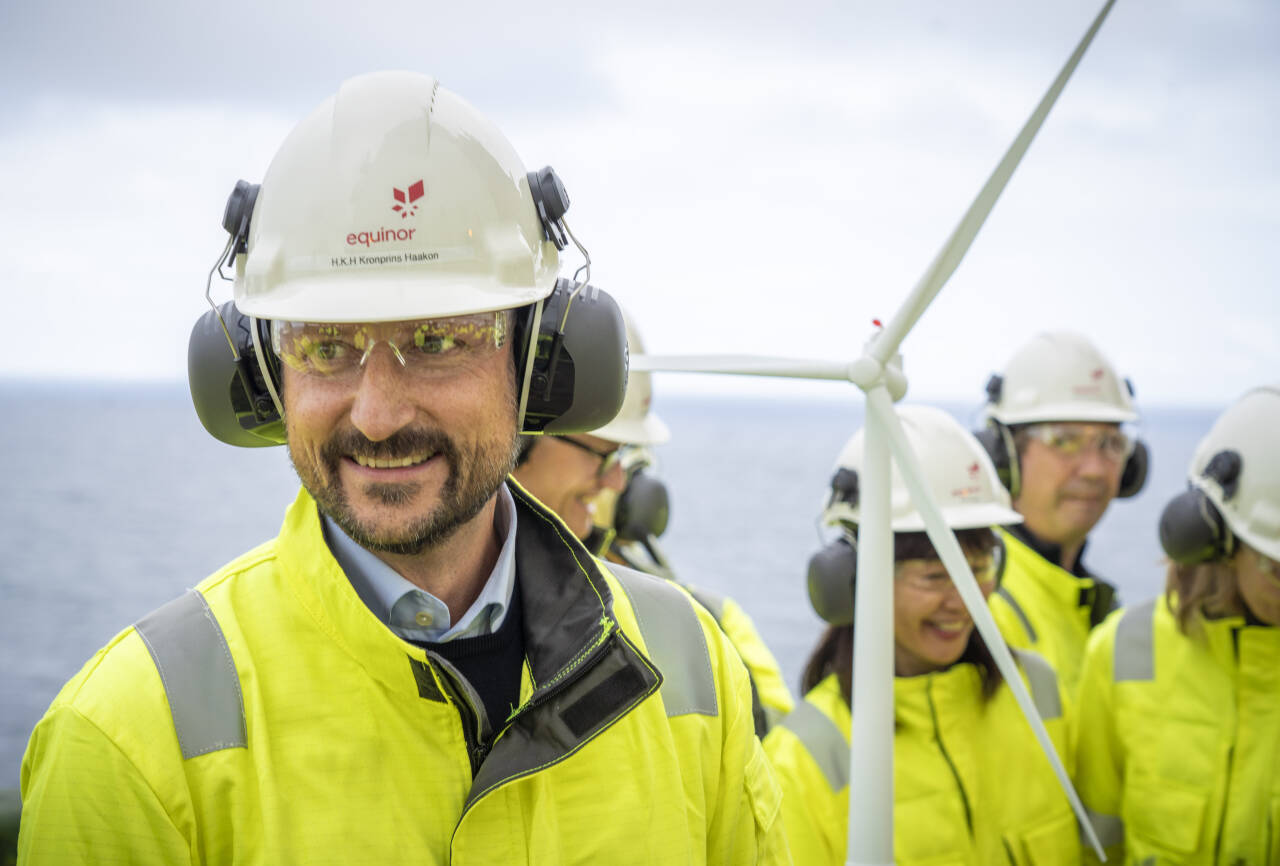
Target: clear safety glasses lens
x=1070, y=440
x=424, y=346
x=609, y=458
x=929, y=575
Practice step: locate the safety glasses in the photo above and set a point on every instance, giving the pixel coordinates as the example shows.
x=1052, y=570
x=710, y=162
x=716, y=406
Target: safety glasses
x=930, y=575
x=608, y=458
x=424, y=347
x=1071, y=440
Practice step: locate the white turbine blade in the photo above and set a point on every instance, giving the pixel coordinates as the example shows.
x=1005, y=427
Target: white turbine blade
x=742, y=365
x=880, y=407
x=953, y=251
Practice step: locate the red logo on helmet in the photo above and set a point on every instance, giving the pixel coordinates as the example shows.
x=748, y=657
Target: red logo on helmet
x=1096, y=374
x=974, y=469
x=405, y=202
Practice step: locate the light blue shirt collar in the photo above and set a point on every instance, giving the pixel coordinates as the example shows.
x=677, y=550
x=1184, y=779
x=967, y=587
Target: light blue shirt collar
x=415, y=614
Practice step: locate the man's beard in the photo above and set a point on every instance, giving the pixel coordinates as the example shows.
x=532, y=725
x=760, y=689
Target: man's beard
x=471, y=483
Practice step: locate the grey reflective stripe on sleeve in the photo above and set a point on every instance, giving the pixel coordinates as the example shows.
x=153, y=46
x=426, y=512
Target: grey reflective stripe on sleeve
x=712, y=602
x=1017, y=609
x=1135, y=652
x=198, y=673
x=674, y=641
x=825, y=742
x=1043, y=682
x=1109, y=828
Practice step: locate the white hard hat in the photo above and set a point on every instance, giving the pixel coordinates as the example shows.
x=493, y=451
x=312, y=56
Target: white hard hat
x=635, y=423
x=1059, y=376
x=957, y=470
x=1251, y=501
x=395, y=199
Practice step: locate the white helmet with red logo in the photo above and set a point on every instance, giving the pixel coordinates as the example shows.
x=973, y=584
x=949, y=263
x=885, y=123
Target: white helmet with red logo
x=956, y=467
x=395, y=199
x=1059, y=376
x=635, y=423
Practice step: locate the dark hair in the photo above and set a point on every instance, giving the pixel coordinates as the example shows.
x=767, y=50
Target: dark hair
x=834, y=651
x=1203, y=589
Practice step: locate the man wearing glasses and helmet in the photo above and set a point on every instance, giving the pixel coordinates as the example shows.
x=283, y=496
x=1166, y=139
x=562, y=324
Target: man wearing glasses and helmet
x=1055, y=433
x=423, y=665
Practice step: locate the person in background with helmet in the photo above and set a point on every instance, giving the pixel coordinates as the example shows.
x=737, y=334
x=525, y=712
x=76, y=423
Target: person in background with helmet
x=971, y=784
x=1179, y=735
x=423, y=666
x=1054, y=434
x=585, y=478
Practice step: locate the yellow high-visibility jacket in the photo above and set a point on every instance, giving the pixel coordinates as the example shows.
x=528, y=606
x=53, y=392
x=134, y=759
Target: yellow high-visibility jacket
x=1043, y=607
x=970, y=784
x=269, y=717
x=766, y=675
x=1179, y=739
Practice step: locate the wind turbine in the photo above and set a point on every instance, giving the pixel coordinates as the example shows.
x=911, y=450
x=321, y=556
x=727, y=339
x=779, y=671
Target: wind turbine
x=878, y=373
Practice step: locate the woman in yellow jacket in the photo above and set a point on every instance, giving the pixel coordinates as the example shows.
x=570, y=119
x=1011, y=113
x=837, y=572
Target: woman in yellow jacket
x=971, y=785
x=1179, y=737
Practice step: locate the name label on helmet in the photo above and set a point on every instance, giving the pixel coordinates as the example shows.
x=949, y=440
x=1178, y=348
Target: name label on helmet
x=382, y=235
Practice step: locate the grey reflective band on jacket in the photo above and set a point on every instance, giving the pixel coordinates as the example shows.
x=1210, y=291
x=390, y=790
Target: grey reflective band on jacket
x=1135, y=650
x=824, y=741
x=674, y=642
x=1017, y=609
x=189, y=650
x=1043, y=682
x=1109, y=828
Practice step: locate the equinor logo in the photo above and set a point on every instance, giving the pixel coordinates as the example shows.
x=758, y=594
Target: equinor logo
x=406, y=200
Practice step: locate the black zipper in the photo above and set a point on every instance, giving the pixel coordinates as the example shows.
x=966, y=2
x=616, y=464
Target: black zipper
x=937, y=735
x=472, y=721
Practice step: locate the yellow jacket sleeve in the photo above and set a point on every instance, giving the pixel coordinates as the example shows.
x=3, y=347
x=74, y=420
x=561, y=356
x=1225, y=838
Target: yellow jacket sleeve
x=749, y=827
x=89, y=804
x=815, y=816
x=764, y=668
x=1099, y=754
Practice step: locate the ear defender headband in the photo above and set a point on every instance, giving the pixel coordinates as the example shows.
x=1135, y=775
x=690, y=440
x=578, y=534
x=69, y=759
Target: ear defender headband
x=833, y=570
x=1192, y=528
x=997, y=440
x=571, y=346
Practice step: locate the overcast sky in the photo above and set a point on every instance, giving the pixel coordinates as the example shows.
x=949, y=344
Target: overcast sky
x=760, y=178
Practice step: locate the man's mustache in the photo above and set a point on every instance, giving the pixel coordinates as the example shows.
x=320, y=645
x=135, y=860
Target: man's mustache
x=398, y=446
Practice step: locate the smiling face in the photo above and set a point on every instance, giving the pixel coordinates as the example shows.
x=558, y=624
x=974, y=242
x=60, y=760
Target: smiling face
x=1063, y=496
x=400, y=455
x=564, y=473
x=931, y=626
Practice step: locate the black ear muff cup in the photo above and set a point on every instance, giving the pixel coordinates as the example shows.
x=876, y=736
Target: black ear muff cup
x=997, y=440
x=580, y=374
x=230, y=398
x=1192, y=529
x=1134, y=476
x=832, y=574
x=643, y=509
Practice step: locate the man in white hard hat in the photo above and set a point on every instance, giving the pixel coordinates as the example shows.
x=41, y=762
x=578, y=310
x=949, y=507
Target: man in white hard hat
x=1055, y=434
x=584, y=478
x=423, y=666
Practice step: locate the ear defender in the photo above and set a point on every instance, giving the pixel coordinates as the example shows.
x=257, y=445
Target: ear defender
x=642, y=510
x=228, y=388
x=997, y=440
x=1134, y=476
x=833, y=572
x=1192, y=528
x=571, y=346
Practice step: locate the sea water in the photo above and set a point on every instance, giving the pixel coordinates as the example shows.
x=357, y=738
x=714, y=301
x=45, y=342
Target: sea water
x=114, y=500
